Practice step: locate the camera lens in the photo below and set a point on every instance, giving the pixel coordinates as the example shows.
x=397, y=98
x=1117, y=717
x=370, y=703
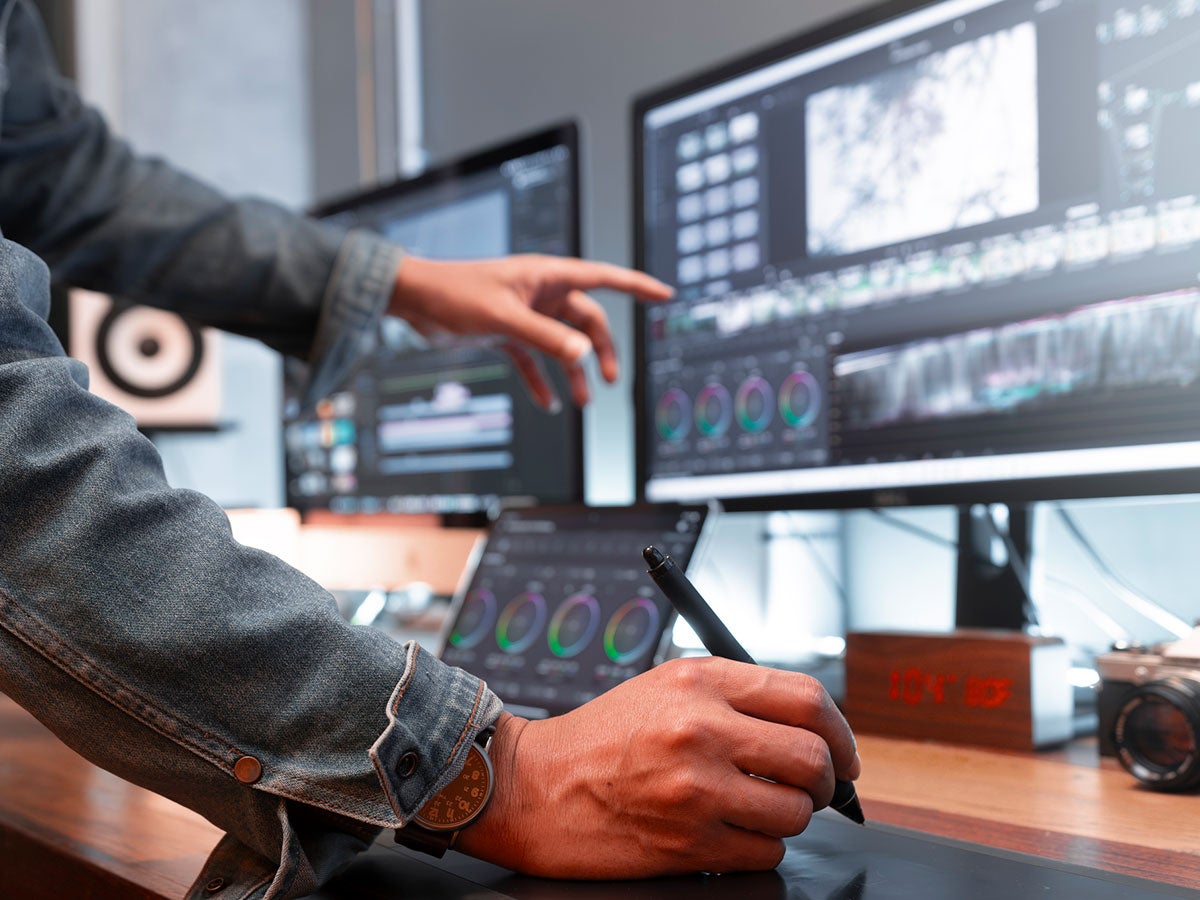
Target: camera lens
x=1157, y=734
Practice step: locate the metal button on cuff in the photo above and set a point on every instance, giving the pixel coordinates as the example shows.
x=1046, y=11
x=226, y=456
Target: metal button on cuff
x=215, y=885
x=407, y=764
x=247, y=770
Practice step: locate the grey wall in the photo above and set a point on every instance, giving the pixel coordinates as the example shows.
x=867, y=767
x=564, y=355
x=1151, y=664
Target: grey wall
x=496, y=69
x=337, y=164
x=220, y=88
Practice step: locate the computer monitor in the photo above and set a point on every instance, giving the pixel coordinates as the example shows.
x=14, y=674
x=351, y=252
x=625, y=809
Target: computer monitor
x=448, y=428
x=931, y=253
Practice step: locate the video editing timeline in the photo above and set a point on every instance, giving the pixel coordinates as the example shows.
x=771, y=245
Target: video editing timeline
x=1059, y=374
x=446, y=425
x=971, y=177
x=560, y=608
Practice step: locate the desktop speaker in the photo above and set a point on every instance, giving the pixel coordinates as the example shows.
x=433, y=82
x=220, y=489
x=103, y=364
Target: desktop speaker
x=162, y=370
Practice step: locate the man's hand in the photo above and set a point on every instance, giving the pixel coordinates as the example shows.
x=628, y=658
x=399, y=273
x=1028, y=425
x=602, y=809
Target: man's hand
x=657, y=776
x=521, y=299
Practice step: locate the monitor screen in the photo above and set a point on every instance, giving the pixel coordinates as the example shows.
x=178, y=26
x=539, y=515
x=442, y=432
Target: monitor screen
x=927, y=253
x=559, y=608
x=449, y=427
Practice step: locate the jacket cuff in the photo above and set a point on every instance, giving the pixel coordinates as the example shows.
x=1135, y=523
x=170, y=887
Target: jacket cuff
x=419, y=754
x=355, y=301
x=434, y=714
x=310, y=854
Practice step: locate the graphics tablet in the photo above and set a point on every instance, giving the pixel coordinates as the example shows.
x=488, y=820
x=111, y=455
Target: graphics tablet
x=832, y=860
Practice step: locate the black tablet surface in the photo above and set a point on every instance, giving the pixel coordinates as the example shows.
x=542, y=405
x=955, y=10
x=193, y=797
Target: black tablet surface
x=833, y=860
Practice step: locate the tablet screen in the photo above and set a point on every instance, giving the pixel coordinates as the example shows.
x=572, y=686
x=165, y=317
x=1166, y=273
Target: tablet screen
x=560, y=608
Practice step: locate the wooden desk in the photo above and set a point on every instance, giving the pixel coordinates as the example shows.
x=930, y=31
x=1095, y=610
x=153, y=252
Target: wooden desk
x=68, y=829
x=1067, y=805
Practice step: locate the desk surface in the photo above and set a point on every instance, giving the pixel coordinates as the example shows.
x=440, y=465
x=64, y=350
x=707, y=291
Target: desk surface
x=70, y=829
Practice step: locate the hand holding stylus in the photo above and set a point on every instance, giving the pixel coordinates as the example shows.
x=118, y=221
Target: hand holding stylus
x=718, y=640
x=699, y=765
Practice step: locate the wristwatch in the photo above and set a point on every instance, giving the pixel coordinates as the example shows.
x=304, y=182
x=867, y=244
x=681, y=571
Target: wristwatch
x=436, y=827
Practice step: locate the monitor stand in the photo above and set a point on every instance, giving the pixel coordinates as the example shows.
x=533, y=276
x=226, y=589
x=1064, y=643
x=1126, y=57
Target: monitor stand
x=993, y=573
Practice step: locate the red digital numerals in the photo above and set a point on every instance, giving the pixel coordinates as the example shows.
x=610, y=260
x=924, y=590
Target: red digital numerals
x=915, y=686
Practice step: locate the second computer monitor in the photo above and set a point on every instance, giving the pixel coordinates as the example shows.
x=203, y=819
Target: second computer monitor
x=449, y=428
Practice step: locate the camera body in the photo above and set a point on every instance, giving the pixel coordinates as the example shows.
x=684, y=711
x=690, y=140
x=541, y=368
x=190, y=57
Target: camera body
x=1149, y=711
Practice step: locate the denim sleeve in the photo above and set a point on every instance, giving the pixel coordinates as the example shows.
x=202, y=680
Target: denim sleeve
x=107, y=219
x=137, y=629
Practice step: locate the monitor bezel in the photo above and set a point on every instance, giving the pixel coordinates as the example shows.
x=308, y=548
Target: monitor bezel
x=465, y=165
x=561, y=133
x=1019, y=490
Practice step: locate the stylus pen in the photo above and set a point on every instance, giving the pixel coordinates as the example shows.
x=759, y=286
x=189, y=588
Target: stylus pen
x=719, y=642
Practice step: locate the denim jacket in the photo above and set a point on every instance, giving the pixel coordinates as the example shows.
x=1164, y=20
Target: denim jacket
x=131, y=623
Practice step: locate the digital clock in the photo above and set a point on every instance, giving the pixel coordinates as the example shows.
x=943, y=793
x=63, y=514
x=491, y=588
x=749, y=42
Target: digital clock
x=994, y=688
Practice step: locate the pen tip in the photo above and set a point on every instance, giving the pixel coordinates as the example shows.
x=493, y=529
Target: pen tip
x=845, y=800
x=653, y=556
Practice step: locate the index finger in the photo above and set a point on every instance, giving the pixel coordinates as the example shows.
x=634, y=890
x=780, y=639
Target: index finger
x=791, y=698
x=586, y=275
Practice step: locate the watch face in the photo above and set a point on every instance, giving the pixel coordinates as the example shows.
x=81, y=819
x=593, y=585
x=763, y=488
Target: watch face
x=459, y=802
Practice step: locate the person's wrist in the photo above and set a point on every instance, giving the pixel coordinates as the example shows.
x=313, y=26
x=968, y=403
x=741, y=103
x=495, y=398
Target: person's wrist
x=408, y=285
x=497, y=835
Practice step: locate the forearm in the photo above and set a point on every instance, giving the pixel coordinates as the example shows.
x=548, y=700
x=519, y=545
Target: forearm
x=154, y=235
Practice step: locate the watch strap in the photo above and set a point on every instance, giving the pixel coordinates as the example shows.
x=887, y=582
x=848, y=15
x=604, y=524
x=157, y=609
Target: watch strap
x=435, y=843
